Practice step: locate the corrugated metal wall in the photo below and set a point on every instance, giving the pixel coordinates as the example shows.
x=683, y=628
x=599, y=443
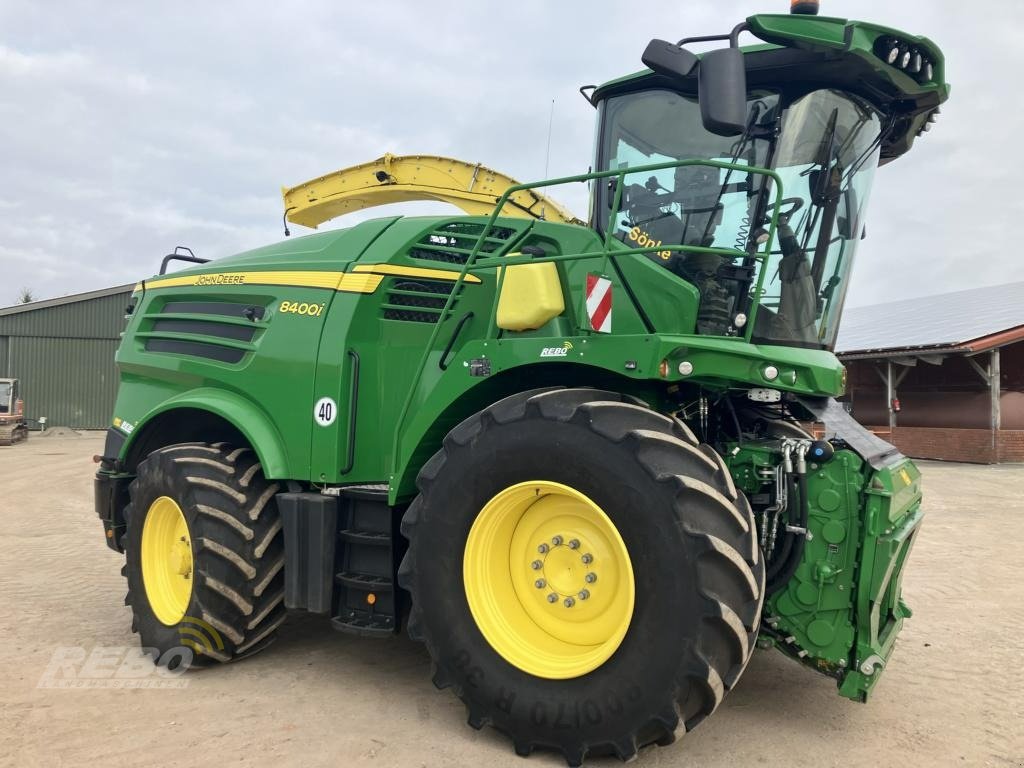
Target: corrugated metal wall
x=72, y=382
x=64, y=357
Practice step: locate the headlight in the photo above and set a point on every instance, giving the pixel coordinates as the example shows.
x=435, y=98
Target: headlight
x=903, y=55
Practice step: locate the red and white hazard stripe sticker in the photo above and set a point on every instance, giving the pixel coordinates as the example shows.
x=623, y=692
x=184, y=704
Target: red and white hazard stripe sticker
x=599, y=303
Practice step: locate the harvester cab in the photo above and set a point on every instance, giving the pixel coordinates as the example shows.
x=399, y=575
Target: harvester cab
x=591, y=465
x=13, y=427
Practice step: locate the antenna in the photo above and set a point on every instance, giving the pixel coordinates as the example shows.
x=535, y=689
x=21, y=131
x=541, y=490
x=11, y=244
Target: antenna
x=547, y=153
x=551, y=122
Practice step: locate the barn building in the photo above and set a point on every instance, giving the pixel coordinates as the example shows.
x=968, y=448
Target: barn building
x=62, y=352
x=941, y=377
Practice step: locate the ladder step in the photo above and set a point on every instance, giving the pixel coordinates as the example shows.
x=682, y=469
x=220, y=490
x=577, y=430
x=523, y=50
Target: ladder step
x=368, y=492
x=365, y=537
x=366, y=581
x=363, y=624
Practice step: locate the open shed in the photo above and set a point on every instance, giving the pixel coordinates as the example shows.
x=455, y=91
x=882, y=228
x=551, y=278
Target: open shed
x=941, y=377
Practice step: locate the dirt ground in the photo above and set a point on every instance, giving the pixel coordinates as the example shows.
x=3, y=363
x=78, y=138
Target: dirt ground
x=953, y=695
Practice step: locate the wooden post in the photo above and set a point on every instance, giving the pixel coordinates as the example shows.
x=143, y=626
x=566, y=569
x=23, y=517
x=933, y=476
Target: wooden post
x=995, y=393
x=890, y=395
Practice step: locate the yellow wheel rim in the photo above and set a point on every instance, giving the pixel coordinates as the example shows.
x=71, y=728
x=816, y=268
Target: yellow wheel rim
x=167, y=560
x=548, y=580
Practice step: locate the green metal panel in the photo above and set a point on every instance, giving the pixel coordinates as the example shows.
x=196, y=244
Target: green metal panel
x=97, y=318
x=4, y=344
x=72, y=382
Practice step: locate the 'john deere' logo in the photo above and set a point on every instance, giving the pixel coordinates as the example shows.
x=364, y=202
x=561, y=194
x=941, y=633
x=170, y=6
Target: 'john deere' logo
x=562, y=351
x=222, y=279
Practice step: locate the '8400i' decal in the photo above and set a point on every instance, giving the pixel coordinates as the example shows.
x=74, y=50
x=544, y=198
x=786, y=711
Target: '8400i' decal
x=301, y=308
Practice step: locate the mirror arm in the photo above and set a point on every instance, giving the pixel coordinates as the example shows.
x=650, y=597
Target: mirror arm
x=734, y=36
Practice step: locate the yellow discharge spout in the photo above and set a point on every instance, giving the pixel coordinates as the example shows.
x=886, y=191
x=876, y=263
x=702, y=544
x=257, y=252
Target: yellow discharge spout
x=390, y=179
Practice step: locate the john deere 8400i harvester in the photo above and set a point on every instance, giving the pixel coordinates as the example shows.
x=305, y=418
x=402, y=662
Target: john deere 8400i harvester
x=572, y=458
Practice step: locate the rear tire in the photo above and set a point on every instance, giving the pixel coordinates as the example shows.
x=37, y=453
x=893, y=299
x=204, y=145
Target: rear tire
x=233, y=551
x=692, y=545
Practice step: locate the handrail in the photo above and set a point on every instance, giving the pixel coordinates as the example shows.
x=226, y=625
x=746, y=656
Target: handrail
x=620, y=174
x=175, y=256
x=353, y=406
x=443, y=362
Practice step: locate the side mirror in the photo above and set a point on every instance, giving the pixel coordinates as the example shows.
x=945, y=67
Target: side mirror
x=669, y=59
x=722, y=89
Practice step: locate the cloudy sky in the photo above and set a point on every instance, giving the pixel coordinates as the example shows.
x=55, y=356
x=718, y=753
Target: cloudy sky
x=127, y=128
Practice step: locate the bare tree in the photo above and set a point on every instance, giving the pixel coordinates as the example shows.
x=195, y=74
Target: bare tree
x=25, y=296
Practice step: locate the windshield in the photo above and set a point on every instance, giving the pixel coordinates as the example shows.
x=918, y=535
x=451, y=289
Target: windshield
x=826, y=156
x=824, y=146
x=5, y=397
x=693, y=205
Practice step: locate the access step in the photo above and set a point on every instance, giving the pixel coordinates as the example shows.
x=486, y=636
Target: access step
x=364, y=581
x=342, y=551
x=367, y=626
x=367, y=602
x=365, y=537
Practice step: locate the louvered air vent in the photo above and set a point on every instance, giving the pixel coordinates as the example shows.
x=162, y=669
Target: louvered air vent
x=213, y=330
x=452, y=243
x=416, y=301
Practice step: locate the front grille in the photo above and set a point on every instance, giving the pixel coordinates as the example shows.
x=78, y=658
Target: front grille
x=206, y=328
x=225, y=308
x=223, y=331
x=196, y=349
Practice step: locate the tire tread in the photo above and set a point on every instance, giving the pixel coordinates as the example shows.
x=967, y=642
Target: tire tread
x=730, y=569
x=238, y=554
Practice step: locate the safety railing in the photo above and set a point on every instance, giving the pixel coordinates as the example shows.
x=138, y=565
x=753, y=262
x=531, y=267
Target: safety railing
x=476, y=264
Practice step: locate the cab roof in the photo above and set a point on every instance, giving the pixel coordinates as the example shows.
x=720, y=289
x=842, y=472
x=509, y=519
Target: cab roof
x=799, y=54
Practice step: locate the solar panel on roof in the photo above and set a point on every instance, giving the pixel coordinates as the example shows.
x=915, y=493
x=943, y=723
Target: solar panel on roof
x=946, y=319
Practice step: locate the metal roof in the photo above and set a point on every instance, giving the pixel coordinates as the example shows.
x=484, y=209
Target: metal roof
x=946, y=320
x=75, y=297
x=92, y=315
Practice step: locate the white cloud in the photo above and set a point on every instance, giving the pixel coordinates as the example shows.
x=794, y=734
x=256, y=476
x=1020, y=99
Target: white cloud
x=66, y=68
x=129, y=128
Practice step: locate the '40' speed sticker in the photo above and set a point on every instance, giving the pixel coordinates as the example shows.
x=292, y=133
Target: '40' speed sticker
x=325, y=411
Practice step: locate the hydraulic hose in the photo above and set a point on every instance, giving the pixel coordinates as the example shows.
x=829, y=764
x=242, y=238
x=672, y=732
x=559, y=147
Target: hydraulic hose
x=793, y=545
x=786, y=546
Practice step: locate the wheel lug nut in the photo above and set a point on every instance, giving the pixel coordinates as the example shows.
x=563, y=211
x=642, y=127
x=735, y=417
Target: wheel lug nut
x=574, y=544
x=540, y=583
x=591, y=578
x=569, y=602
x=552, y=598
x=588, y=559
x=556, y=541
x=543, y=548
x=584, y=594
x=536, y=565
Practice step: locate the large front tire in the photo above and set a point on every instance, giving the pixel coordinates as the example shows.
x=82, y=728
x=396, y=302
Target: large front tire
x=689, y=546
x=204, y=553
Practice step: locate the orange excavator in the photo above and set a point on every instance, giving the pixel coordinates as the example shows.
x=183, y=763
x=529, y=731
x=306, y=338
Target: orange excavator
x=13, y=426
